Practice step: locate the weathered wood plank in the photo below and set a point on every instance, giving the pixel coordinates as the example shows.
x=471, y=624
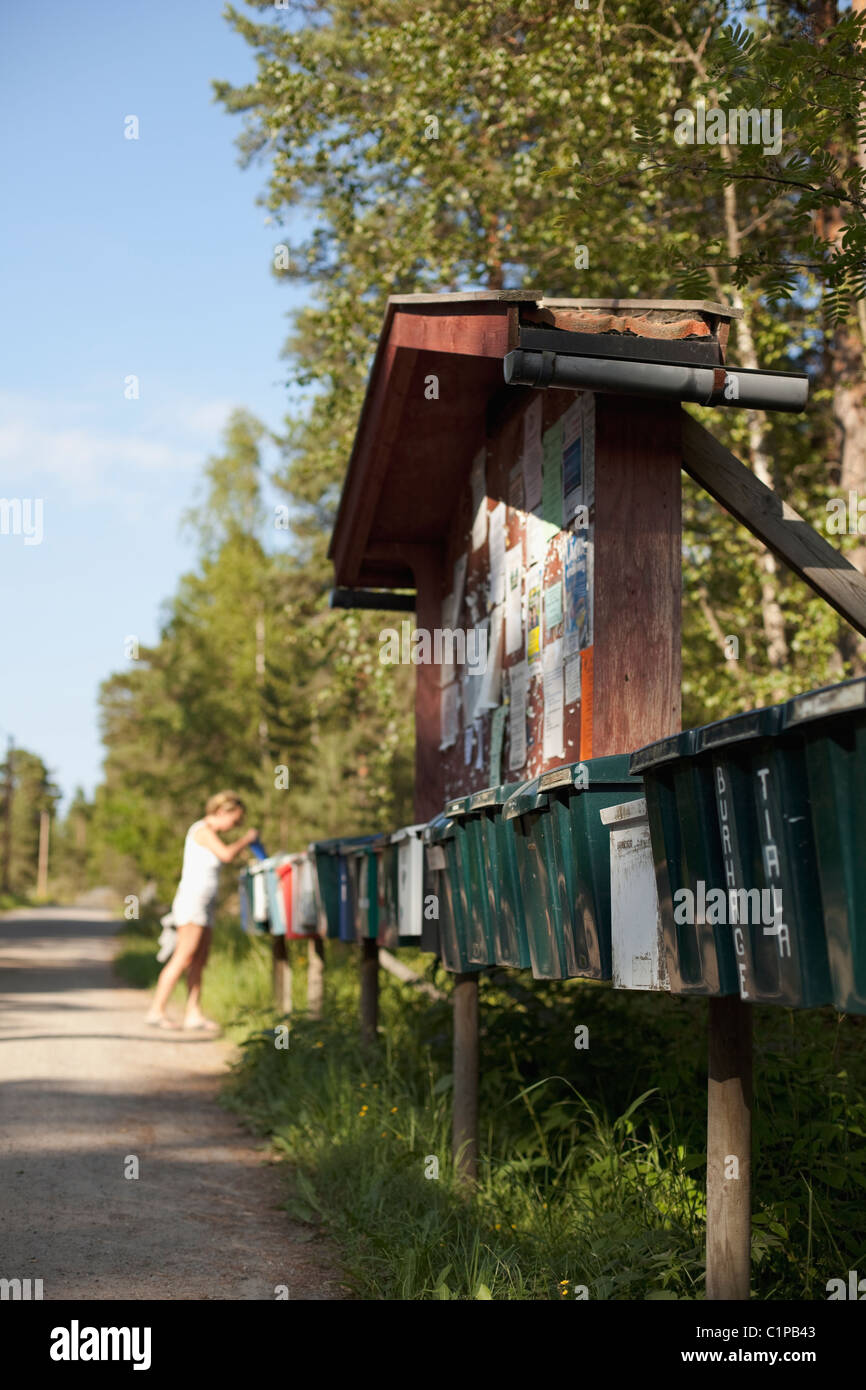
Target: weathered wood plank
x=774, y=522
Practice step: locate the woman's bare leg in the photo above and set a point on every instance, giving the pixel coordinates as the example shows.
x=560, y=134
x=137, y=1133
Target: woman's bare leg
x=194, y=973
x=188, y=940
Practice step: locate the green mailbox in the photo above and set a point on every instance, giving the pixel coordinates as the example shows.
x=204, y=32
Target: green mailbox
x=563, y=854
x=498, y=852
x=832, y=724
x=526, y=812
x=442, y=882
x=367, y=861
x=689, y=870
x=472, y=881
x=768, y=854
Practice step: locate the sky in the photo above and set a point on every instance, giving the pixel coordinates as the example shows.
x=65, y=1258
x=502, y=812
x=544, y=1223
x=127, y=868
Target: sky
x=119, y=258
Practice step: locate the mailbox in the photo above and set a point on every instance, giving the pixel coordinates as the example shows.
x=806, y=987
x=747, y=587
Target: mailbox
x=637, y=941
x=442, y=882
x=367, y=884
x=405, y=883
x=499, y=870
x=563, y=852
x=299, y=908
x=472, y=881
x=259, y=895
x=768, y=853
x=333, y=884
x=689, y=871
x=832, y=724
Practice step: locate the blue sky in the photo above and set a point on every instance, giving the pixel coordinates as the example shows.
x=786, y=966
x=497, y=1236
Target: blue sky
x=120, y=257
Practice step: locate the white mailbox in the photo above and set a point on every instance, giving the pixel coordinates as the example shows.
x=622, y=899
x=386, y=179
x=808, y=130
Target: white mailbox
x=304, y=907
x=637, y=941
x=410, y=879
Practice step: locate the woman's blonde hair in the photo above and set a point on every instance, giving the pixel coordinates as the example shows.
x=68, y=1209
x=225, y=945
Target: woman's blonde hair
x=223, y=801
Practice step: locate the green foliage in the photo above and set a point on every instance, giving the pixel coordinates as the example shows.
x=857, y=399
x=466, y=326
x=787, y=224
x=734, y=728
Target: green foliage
x=592, y=1163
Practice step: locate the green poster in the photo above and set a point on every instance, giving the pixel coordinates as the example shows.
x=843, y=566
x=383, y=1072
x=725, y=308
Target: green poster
x=551, y=484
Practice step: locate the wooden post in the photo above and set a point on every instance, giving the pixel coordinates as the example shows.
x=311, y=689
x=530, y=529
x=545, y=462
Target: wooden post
x=464, y=1136
x=729, y=1148
x=42, y=864
x=282, y=976
x=369, y=991
x=315, y=975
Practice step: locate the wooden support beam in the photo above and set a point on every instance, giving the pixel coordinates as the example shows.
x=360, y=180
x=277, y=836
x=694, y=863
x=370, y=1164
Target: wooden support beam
x=315, y=975
x=282, y=976
x=464, y=1132
x=729, y=1148
x=369, y=991
x=774, y=522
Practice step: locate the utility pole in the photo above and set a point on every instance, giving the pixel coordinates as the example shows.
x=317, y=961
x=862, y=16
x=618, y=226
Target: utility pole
x=7, y=820
x=42, y=868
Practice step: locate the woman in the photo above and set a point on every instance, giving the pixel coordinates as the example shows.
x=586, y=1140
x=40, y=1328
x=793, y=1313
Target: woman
x=193, y=907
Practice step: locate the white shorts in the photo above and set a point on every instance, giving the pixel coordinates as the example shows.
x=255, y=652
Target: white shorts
x=192, y=908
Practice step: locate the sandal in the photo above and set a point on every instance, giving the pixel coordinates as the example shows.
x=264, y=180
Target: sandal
x=160, y=1023
x=204, y=1025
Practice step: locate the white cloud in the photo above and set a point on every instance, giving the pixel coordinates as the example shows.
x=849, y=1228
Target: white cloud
x=73, y=444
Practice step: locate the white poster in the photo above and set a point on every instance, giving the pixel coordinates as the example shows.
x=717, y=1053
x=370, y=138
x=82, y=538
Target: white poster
x=489, y=693
x=553, y=700
x=532, y=455
x=514, y=599
x=518, y=683
x=479, y=500
x=496, y=590
x=538, y=533
x=572, y=460
x=449, y=724
x=572, y=678
x=588, y=450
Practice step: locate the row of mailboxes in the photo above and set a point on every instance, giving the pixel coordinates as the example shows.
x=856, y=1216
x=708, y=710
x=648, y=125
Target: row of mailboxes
x=370, y=886
x=720, y=860
x=278, y=897
x=756, y=824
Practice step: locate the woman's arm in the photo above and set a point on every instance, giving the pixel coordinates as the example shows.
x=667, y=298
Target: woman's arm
x=226, y=853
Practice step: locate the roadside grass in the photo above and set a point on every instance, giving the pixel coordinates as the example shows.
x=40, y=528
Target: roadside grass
x=592, y=1160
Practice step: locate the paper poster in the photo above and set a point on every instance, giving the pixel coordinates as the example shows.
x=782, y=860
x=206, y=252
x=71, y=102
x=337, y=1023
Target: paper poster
x=573, y=546
x=491, y=682
x=449, y=715
x=572, y=678
x=496, y=589
x=514, y=599
x=468, y=741
x=551, y=498
x=497, y=731
x=538, y=534
x=533, y=615
x=478, y=481
x=474, y=674
x=515, y=487
x=478, y=727
x=588, y=451
x=553, y=606
x=517, y=687
x=553, y=701
x=532, y=454
x=577, y=569
x=572, y=460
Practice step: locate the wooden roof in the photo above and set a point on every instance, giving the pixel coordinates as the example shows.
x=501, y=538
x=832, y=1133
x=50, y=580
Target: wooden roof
x=411, y=455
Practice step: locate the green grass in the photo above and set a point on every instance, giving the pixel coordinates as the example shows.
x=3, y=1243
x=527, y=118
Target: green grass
x=592, y=1164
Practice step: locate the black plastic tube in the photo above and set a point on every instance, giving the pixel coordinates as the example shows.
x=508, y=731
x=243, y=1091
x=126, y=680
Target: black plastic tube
x=728, y=386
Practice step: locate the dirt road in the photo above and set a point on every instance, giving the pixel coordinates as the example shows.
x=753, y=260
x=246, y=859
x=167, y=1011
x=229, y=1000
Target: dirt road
x=84, y=1086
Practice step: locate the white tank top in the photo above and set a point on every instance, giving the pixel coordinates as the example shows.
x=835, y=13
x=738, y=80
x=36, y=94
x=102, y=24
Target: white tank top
x=201, y=867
